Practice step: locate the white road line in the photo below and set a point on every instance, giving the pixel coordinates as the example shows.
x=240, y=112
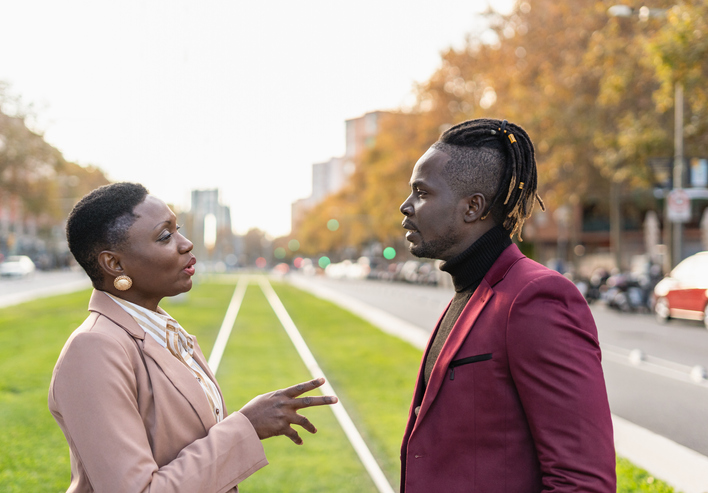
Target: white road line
x=228, y=324
x=340, y=413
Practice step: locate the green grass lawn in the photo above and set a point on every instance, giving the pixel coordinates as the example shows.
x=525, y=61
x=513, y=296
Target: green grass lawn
x=373, y=373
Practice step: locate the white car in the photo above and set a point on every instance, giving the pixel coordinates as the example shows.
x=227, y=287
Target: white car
x=17, y=266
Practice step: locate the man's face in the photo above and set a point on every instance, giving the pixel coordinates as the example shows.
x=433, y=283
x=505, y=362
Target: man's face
x=434, y=215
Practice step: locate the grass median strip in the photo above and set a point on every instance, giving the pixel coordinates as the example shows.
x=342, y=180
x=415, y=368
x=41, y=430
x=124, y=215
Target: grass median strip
x=259, y=358
x=372, y=372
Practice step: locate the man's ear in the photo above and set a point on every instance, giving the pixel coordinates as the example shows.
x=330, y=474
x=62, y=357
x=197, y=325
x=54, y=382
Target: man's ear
x=476, y=206
x=110, y=263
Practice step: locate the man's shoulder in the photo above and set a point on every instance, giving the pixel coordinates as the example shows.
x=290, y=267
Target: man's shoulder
x=513, y=268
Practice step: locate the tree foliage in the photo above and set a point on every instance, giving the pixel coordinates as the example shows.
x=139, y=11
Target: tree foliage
x=35, y=173
x=594, y=92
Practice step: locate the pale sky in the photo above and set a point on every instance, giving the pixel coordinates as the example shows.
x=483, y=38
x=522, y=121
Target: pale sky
x=239, y=96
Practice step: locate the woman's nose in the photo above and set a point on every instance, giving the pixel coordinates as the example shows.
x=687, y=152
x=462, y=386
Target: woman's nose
x=186, y=245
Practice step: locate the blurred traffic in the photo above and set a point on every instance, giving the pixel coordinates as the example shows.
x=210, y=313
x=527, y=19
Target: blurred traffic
x=17, y=266
x=683, y=293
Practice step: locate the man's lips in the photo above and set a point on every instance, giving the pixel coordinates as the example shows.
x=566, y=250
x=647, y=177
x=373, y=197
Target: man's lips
x=412, y=230
x=409, y=226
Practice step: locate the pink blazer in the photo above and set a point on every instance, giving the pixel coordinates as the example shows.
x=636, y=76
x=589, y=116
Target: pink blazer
x=135, y=418
x=516, y=401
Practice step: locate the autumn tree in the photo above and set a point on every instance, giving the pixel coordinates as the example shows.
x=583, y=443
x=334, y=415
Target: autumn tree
x=35, y=175
x=593, y=92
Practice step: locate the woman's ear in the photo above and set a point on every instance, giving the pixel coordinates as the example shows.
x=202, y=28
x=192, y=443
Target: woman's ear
x=110, y=263
x=476, y=205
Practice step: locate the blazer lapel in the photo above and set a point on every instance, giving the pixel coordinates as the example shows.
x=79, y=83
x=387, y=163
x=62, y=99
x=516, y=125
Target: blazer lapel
x=465, y=323
x=182, y=379
x=457, y=336
x=199, y=356
x=174, y=370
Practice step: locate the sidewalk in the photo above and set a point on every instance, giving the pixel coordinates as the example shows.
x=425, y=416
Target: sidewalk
x=684, y=469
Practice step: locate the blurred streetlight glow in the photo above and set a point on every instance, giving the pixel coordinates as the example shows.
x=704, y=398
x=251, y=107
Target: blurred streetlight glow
x=620, y=11
x=209, y=231
x=644, y=13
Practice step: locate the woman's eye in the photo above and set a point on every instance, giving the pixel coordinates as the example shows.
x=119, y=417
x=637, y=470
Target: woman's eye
x=167, y=235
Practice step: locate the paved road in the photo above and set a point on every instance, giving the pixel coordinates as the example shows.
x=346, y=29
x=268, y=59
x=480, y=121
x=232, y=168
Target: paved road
x=672, y=407
x=40, y=284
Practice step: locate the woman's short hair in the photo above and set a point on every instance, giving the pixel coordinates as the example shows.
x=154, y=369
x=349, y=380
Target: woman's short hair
x=100, y=221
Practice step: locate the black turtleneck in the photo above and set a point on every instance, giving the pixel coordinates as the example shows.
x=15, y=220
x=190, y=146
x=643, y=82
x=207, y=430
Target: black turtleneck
x=467, y=271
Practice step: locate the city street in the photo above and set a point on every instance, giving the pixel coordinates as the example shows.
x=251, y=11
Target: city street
x=664, y=401
x=40, y=284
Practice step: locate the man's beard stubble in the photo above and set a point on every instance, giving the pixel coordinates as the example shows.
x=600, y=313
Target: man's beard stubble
x=433, y=249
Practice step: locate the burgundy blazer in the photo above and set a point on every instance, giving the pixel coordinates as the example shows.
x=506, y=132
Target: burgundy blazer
x=516, y=401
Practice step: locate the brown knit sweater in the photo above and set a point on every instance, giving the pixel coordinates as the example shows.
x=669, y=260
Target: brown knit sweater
x=467, y=271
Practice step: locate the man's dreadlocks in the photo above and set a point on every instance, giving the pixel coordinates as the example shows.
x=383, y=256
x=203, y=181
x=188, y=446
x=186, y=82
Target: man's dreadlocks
x=497, y=159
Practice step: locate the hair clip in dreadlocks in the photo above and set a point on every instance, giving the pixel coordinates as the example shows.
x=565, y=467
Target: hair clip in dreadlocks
x=521, y=185
x=512, y=138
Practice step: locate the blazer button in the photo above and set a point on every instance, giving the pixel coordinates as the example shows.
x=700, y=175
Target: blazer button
x=416, y=410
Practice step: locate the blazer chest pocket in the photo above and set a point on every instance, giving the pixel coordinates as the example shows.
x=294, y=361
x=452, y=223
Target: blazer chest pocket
x=467, y=361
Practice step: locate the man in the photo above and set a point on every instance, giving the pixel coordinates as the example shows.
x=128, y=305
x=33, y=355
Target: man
x=510, y=394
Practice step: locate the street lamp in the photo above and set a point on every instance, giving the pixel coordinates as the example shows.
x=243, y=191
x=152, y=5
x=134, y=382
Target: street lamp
x=644, y=13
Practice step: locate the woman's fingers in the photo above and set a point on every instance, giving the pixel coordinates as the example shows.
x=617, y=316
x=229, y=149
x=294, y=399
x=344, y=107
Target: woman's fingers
x=273, y=413
x=301, y=388
x=305, y=423
x=292, y=435
x=308, y=401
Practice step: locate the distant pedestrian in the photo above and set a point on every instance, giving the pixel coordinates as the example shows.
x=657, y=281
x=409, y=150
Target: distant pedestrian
x=510, y=395
x=131, y=390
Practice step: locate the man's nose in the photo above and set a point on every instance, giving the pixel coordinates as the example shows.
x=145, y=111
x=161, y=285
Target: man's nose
x=406, y=207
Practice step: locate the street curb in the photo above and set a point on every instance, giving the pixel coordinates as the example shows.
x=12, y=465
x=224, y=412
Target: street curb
x=386, y=322
x=683, y=468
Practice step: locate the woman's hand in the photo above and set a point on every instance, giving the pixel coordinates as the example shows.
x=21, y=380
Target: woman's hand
x=272, y=414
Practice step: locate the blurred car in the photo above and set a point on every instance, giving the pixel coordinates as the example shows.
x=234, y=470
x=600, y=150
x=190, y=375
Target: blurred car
x=17, y=266
x=684, y=292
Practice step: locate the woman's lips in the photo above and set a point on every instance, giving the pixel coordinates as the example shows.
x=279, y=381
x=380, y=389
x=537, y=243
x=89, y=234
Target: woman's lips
x=190, y=266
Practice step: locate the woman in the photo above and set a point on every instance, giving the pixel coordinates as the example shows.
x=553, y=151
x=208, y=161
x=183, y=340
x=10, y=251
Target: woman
x=131, y=390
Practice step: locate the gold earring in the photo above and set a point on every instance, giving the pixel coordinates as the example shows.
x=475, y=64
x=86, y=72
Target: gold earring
x=122, y=283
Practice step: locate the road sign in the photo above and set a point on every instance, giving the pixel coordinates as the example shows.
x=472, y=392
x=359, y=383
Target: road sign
x=678, y=206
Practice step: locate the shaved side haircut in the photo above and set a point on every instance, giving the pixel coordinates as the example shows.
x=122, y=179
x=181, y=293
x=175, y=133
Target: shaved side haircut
x=495, y=158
